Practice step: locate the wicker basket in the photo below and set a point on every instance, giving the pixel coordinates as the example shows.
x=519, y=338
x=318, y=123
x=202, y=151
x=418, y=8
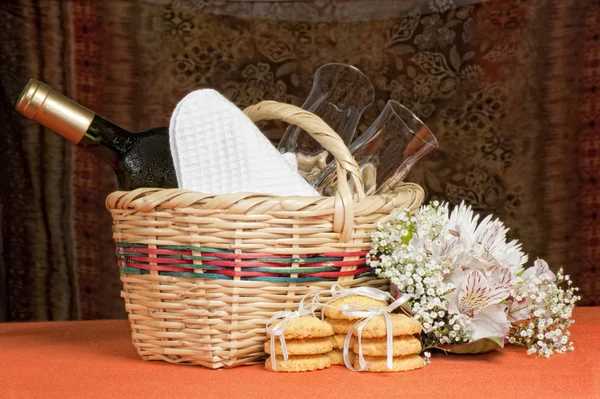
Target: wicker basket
x=203, y=273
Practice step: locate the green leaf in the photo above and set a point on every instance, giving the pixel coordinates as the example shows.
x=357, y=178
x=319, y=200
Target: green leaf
x=483, y=345
x=406, y=239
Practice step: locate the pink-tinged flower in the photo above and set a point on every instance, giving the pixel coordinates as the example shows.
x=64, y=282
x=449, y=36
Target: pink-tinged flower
x=481, y=300
x=484, y=244
x=539, y=269
x=503, y=276
x=520, y=308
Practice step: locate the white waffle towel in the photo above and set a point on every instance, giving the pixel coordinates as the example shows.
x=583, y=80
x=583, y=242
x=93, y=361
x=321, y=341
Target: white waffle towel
x=217, y=149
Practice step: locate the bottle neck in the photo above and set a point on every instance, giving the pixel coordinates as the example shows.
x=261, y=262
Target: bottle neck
x=105, y=140
x=42, y=104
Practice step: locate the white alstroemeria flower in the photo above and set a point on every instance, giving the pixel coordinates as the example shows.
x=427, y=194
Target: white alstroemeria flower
x=485, y=243
x=480, y=300
x=504, y=276
x=539, y=269
x=518, y=311
x=463, y=224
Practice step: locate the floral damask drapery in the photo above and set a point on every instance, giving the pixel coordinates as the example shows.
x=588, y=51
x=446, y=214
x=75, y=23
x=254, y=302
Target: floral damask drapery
x=507, y=87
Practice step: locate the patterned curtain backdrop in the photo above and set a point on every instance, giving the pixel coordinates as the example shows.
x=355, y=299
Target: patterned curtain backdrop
x=509, y=87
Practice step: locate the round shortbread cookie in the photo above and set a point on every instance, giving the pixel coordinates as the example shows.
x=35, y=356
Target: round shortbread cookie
x=333, y=309
x=307, y=327
x=338, y=341
x=377, y=364
x=337, y=357
x=340, y=326
x=300, y=363
x=401, y=325
x=309, y=346
x=402, y=346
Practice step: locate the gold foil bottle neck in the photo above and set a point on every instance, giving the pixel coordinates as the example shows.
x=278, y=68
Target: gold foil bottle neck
x=42, y=104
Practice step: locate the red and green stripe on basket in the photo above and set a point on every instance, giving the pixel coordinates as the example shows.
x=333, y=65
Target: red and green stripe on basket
x=220, y=264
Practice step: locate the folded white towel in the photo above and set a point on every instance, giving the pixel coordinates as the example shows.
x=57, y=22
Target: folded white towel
x=290, y=158
x=217, y=149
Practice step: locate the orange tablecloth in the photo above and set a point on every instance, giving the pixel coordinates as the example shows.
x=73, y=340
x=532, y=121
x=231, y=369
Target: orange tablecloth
x=95, y=359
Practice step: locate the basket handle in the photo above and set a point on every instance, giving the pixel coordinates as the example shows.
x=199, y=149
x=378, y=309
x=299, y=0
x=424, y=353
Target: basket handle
x=319, y=130
x=343, y=217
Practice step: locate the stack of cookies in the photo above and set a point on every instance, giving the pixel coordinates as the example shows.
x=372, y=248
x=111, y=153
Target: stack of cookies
x=307, y=340
x=342, y=324
x=406, y=347
x=337, y=353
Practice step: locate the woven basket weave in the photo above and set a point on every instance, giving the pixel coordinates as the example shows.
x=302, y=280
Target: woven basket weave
x=203, y=273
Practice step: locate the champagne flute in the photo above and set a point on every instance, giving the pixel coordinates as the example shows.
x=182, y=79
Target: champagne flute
x=340, y=93
x=386, y=151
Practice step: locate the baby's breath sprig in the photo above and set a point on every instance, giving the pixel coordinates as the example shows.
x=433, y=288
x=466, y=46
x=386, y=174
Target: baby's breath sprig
x=550, y=307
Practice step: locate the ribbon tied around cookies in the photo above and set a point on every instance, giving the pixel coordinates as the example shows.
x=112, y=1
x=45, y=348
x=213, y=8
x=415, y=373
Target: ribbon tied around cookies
x=365, y=314
x=277, y=326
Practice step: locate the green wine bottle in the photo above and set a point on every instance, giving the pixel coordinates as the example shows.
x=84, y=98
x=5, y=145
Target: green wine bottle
x=140, y=159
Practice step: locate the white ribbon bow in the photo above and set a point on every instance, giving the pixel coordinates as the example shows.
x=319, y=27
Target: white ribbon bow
x=337, y=292
x=279, y=329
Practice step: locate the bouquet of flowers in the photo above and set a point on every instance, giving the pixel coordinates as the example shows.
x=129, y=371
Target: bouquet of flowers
x=469, y=288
